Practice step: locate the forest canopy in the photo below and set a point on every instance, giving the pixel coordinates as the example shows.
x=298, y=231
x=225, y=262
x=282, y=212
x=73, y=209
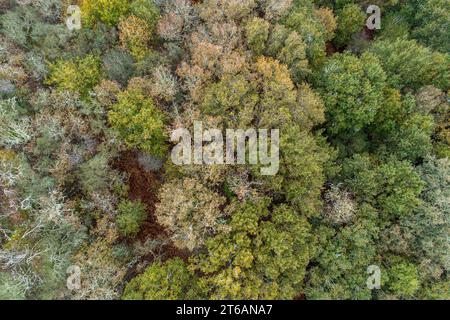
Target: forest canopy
x=87, y=182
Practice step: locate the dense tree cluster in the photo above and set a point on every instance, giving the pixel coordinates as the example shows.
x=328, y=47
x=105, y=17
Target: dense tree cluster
x=86, y=177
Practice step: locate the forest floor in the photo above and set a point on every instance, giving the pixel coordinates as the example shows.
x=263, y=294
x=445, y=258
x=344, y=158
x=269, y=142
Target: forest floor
x=144, y=186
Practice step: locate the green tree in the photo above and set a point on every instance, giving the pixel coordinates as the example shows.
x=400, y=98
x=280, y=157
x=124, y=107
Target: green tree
x=301, y=174
x=401, y=131
x=109, y=12
x=350, y=19
x=340, y=257
x=403, y=279
x=437, y=291
x=315, y=26
x=139, y=122
x=170, y=280
x=264, y=256
x=257, y=32
x=428, y=227
x=410, y=65
x=431, y=25
x=352, y=89
x=401, y=187
x=76, y=75
x=270, y=98
x=289, y=48
x=147, y=10
x=392, y=187
x=265, y=95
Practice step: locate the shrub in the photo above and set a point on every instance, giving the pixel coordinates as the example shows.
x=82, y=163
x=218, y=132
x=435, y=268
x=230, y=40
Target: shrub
x=130, y=217
x=170, y=27
x=94, y=174
x=10, y=288
x=118, y=65
x=15, y=128
x=16, y=25
x=51, y=10
x=164, y=84
x=106, y=92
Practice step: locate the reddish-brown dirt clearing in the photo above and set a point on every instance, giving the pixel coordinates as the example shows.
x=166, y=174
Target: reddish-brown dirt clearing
x=144, y=186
